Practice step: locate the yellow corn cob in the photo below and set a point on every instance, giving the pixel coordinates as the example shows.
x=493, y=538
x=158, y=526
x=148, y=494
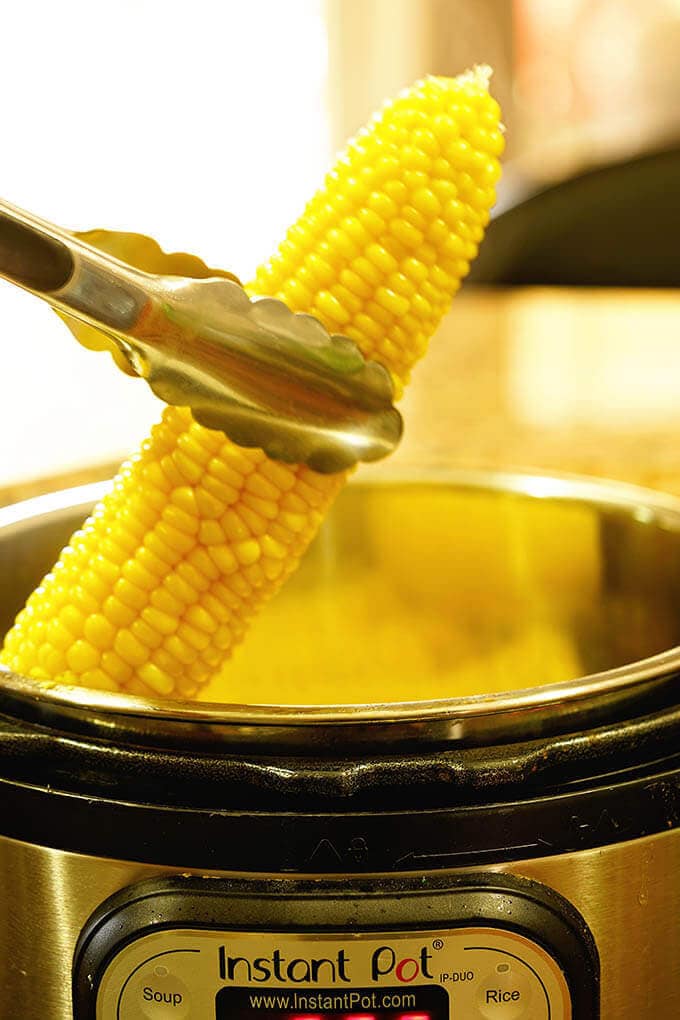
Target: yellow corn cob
x=155, y=590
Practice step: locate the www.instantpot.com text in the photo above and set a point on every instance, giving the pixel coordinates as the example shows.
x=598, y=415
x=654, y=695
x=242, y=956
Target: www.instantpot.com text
x=337, y=1002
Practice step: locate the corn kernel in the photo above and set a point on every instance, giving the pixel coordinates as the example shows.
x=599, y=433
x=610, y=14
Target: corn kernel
x=329, y=307
x=270, y=547
x=210, y=533
x=139, y=576
x=247, y=552
x=197, y=639
x=99, y=680
x=179, y=650
x=180, y=519
x=129, y=648
x=99, y=631
x=207, y=505
x=157, y=679
x=224, y=558
x=197, y=616
x=168, y=663
x=218, y=610
x=129, y=594
x=178, y=588
x=163, y=600
x=160, y=550
x=146, y=634
x=159, y=621
x=193, y=577
x=58, y=636
x=184, y=498
x=201, y=561
x=225, y=494
x=82, y=656
x=174, y=539
x=187, y=468
x=115, y=667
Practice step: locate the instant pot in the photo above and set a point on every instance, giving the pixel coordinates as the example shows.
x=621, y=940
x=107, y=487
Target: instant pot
x=512, y=853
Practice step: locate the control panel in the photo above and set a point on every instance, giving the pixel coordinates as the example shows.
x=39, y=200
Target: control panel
x=468, y=973
x=184, y=951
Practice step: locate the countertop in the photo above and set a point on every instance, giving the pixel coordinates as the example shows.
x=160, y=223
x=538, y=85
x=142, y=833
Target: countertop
x=548, y=379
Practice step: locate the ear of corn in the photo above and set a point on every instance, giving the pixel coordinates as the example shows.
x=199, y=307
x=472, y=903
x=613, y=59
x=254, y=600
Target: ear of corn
x=155, y=590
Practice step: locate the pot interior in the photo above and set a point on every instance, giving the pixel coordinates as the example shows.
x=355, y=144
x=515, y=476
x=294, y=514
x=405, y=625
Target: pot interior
x=434, y=586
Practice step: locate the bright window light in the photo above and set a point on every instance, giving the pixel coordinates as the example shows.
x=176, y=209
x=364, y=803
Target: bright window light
x=202, y=124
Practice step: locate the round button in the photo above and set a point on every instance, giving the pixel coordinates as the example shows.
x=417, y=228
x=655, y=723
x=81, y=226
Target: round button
x=505, y=993
x=157, y=995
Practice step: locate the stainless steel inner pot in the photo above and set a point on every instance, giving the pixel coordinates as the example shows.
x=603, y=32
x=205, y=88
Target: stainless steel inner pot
x=503, y=560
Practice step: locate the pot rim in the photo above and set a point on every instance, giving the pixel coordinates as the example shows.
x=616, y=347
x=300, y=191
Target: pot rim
x=531, y=711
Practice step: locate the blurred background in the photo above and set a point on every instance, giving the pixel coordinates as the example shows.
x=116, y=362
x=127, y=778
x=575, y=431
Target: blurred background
x=208, y=125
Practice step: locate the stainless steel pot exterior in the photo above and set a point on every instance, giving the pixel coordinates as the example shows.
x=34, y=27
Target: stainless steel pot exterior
x=629, y=894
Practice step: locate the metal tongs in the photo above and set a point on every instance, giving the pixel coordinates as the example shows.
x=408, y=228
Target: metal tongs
x=251, y=368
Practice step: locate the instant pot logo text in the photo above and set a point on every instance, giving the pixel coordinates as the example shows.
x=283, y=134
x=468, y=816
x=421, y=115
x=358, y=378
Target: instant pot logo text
x=299, y=970
x=384, y=963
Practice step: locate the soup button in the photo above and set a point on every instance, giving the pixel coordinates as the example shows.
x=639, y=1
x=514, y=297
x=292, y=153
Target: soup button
x=505, y=993
x=158, y=995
